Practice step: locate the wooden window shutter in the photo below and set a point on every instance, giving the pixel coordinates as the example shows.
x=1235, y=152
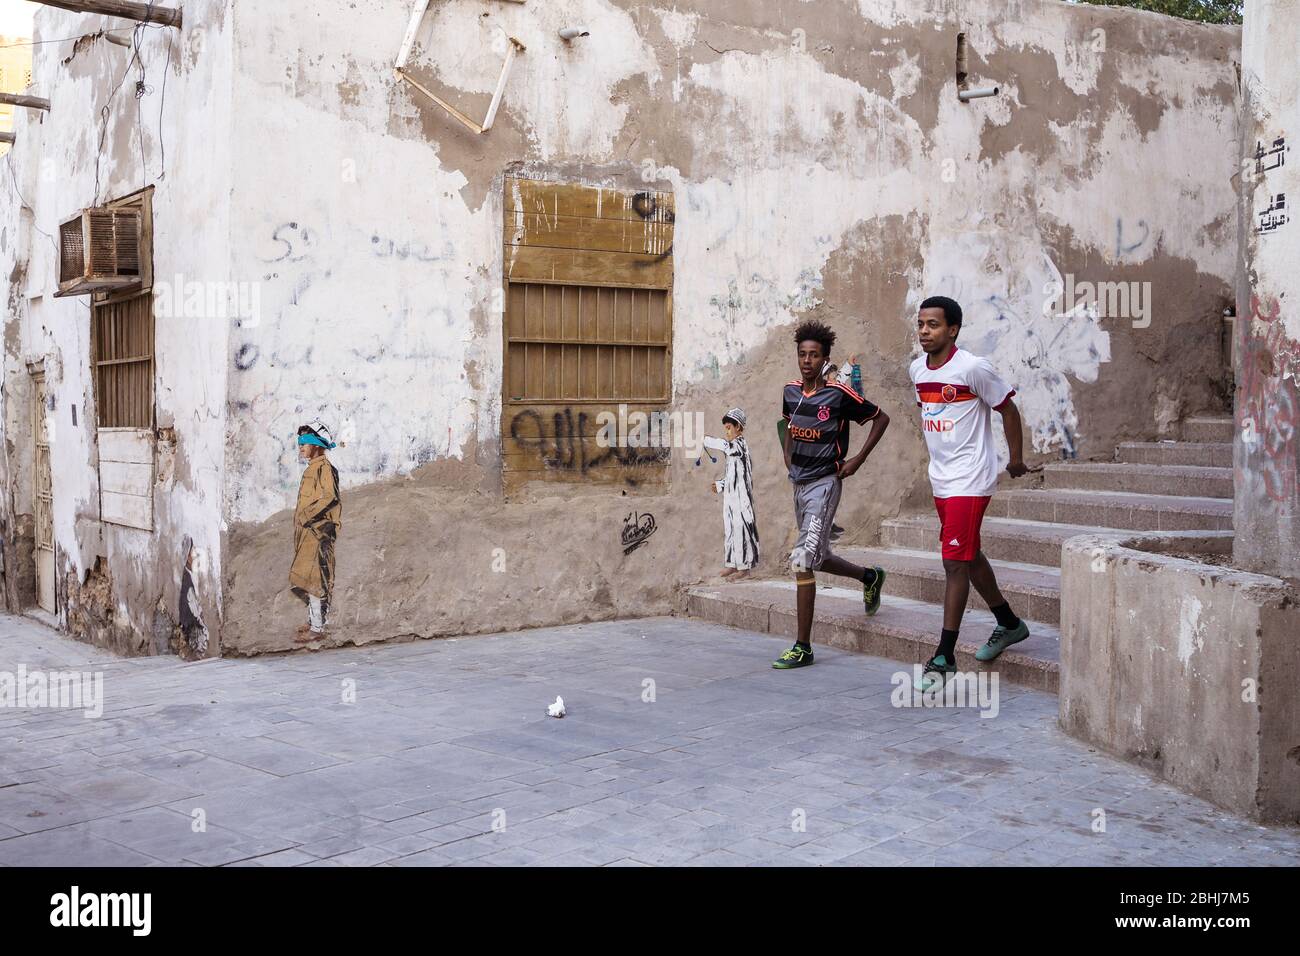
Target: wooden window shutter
x=588, y=329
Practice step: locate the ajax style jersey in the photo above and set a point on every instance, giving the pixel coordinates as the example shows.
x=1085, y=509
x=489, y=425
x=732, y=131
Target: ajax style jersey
x=957, y=400
x=819, y=427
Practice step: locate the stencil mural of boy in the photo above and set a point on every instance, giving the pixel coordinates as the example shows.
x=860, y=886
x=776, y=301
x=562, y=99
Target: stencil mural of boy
x=739, y=526
x=315, y=529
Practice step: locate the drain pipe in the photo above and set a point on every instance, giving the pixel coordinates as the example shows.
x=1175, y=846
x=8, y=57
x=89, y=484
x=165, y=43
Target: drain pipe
x=964, y=92
x=572, y=33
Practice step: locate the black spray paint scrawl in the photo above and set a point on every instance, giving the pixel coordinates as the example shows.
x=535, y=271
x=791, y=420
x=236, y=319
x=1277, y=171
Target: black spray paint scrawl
x=637, y=529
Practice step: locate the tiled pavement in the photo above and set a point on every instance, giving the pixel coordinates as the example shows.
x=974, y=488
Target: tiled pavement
x=448, y=737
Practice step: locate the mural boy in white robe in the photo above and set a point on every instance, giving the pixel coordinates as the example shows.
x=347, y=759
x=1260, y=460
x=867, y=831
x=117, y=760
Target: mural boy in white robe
x=740, y=527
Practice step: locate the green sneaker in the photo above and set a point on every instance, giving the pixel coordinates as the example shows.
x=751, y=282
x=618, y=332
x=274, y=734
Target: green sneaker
x=871, y=592
x=937, y=670
x=794, y=657
x=1001, y=640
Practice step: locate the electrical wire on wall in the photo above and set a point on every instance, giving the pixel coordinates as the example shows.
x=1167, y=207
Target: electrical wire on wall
x=142, y=89
x=84, y=36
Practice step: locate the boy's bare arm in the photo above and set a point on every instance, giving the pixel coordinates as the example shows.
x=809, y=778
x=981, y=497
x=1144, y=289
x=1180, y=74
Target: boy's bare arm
x=878, y=426
x=1013, y=427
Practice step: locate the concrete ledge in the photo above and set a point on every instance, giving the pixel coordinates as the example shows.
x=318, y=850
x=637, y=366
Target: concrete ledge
x=1188, y=669
x=903, y=630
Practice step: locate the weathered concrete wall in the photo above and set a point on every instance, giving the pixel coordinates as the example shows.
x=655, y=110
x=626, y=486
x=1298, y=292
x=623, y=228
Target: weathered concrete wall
x=1186, y=668
x=1267, y=452
x=822, y=165
x=118, y=586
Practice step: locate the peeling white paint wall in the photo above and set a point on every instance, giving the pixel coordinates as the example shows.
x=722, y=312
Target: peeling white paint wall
x=376, y=278
x=300, y=167
x=54, y=165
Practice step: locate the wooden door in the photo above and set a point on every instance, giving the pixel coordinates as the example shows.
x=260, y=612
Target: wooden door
x=44, y=505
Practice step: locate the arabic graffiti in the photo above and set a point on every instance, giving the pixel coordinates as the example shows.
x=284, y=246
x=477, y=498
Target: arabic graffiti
x=1274, y=216
x=637, y=529
x=1278, y=150
x=560, y=443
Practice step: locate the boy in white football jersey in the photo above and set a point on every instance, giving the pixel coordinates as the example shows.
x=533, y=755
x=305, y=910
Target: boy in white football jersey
x=956, y=392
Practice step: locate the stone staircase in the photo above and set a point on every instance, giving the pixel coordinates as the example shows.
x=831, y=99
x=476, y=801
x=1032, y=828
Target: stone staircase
x=1183, y=487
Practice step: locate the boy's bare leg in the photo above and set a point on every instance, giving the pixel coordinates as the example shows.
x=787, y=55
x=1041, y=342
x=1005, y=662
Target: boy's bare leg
x=956, y=593
x=871, y=579
x=986, y=583
x=837, y=565
x=806, y=600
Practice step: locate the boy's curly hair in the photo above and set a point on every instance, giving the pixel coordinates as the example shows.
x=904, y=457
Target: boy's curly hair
x=820, y=332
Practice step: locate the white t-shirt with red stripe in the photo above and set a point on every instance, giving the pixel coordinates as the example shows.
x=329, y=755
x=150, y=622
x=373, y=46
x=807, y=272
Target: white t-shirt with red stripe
x=957, y=400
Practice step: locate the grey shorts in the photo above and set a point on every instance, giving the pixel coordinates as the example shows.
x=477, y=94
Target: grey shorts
x=814, y=512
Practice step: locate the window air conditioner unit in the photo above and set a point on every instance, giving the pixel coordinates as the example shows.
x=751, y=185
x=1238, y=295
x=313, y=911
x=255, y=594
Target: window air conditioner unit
x=99, y=251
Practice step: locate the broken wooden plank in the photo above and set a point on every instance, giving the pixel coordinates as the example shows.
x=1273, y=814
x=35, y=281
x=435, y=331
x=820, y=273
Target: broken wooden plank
x=593, y=202
x=440, y=101
x=142, y=12
x=132, y=511
x=129, y=445
x=515, y=49
x=412, y=31
x=581, y=232
x=589, y=268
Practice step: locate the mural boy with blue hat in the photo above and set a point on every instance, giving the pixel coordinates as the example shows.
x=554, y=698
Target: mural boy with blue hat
x=315, y=529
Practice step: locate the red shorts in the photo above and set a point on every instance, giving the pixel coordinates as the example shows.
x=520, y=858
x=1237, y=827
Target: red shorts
x=959, y=526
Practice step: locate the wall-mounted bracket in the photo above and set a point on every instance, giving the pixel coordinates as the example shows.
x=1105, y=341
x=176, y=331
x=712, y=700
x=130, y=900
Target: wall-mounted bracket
x=404, y=54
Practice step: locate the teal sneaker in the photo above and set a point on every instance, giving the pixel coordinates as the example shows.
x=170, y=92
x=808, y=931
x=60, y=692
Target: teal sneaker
x=937, y=670
x=794, y=657
x=871, y=592
x=1001, y=640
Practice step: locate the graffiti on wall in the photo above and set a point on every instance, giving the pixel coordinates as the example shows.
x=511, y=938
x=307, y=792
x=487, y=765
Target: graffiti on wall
x=557, y=439
x=637, y=529
x=1270, y=375
x=1273, y=216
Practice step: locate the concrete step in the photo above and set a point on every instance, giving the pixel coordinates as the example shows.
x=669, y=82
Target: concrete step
x=1208, y=429
x=1001, y=539
x=1214, y=454
x=1032, y=590
x=1030, y=542
x=1166, y=479
x=902, y=630
x=1114, y=509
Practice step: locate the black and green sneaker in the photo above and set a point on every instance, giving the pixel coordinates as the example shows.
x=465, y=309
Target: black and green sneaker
x=937, y=670
x=871, y=592
x=797, y=656
x=1001, y=640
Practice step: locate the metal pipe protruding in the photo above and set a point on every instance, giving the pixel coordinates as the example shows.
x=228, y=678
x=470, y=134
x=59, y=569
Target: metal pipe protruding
x=572, y=33
x=975, y=94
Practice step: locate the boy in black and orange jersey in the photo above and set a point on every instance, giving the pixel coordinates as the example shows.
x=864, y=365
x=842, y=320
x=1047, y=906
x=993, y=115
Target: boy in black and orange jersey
x=818, y=415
